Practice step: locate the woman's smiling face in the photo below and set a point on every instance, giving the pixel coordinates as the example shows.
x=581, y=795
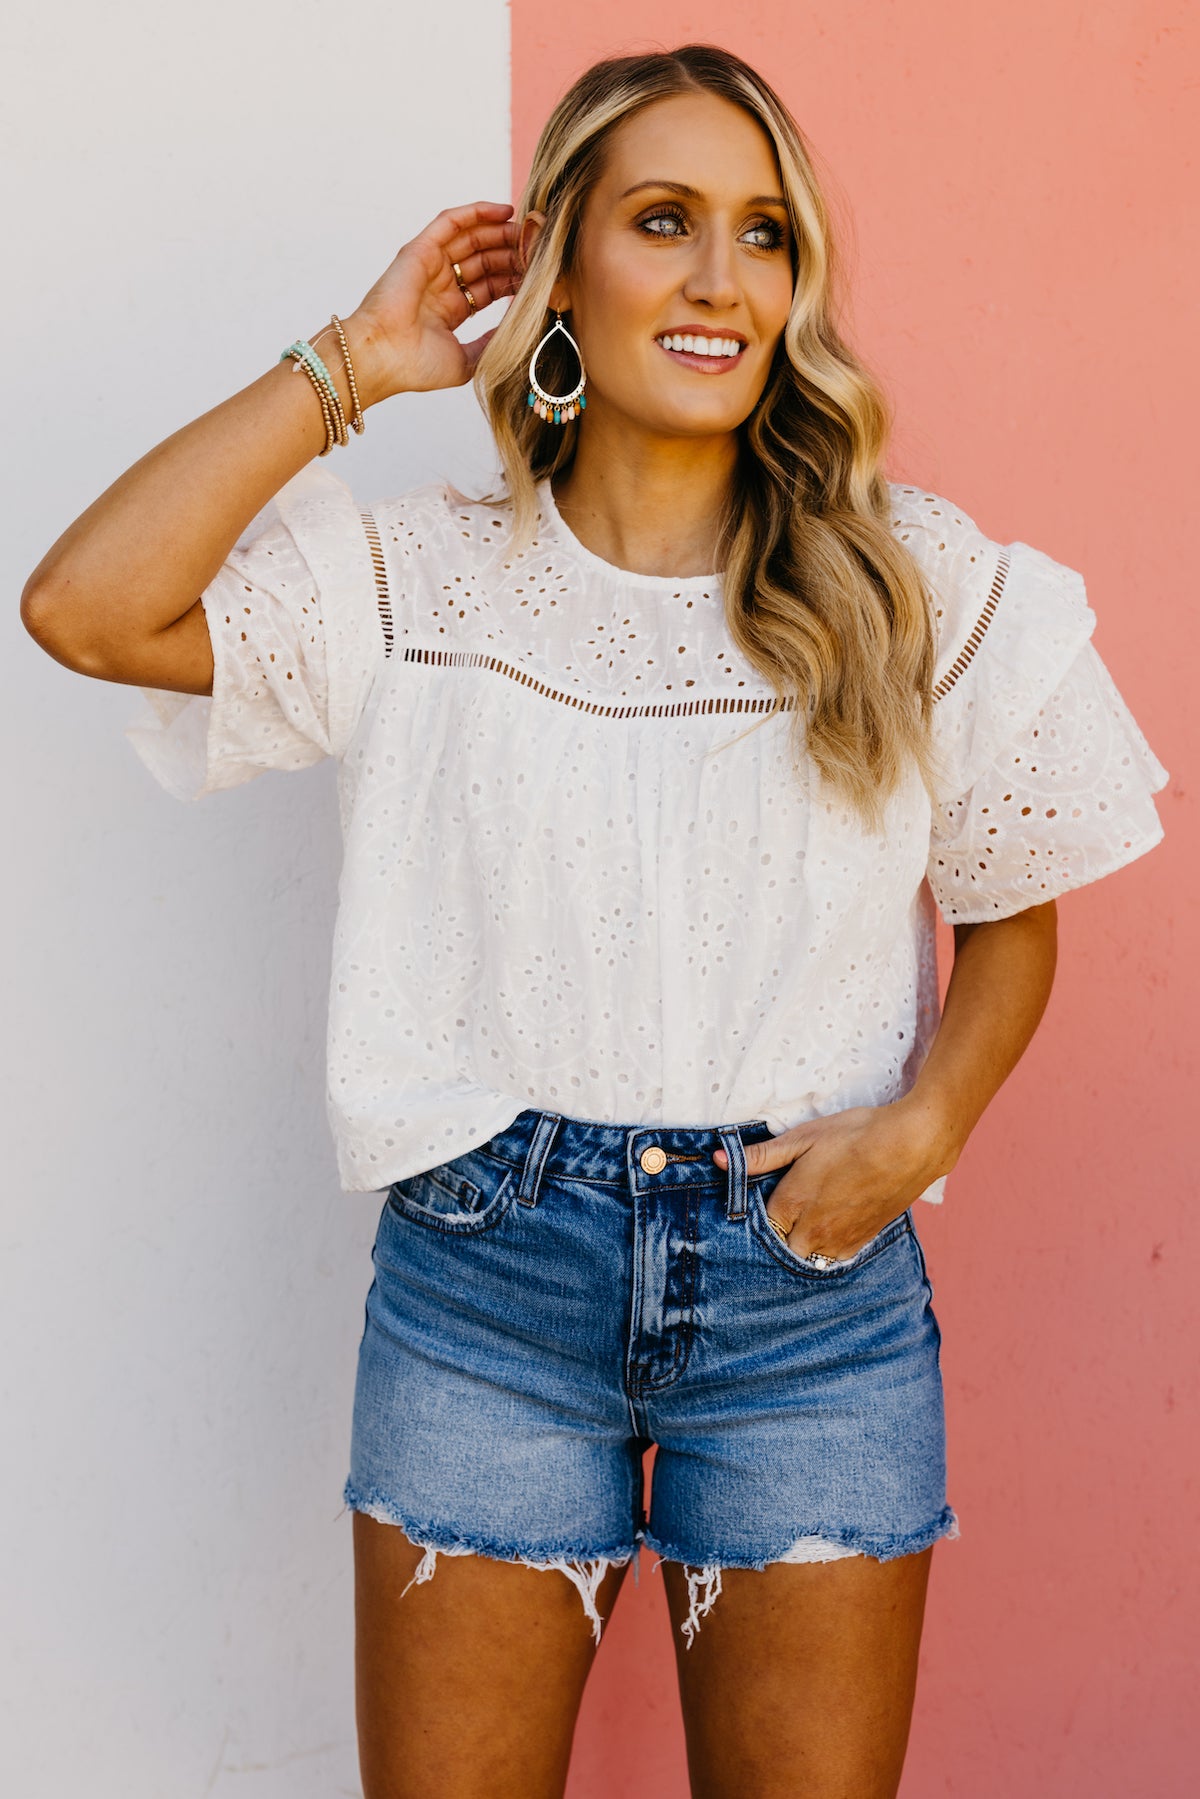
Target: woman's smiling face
x=686, y=232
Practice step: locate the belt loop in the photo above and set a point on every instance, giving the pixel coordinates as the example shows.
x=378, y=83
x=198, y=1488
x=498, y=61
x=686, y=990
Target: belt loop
x=535, y=1161
x=731, y=1143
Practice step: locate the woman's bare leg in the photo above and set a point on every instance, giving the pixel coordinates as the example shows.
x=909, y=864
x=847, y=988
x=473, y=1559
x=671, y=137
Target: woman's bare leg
x=469, y=1686
x=801, y=1678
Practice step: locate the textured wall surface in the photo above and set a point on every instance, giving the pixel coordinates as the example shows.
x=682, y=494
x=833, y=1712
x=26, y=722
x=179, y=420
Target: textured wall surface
x=182, y=1280
x=1023, y=258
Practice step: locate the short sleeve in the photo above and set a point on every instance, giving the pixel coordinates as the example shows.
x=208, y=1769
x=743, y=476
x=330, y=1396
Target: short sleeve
x=1065, y=801
x=1046, y=777
x=297, y=638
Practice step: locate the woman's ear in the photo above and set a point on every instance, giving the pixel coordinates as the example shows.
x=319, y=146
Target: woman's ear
x=532, y=226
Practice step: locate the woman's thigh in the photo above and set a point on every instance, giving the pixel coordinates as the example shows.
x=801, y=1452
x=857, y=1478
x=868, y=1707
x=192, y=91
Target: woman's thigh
x=470, y=1687
x=802, y=1680
x=490, y=1432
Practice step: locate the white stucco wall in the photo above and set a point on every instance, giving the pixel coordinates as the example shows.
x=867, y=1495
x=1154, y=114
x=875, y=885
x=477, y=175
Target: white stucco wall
x=182, y=1278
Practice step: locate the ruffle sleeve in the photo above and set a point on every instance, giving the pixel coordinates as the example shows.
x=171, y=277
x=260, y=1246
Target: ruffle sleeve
x=1046, y=778
x=293, y=615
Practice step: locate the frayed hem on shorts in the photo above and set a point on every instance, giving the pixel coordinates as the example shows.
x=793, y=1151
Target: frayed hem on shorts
x=824, y=1545
x=584, y=1567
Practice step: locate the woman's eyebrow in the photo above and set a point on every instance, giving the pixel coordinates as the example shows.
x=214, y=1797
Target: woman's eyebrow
x=693, y=193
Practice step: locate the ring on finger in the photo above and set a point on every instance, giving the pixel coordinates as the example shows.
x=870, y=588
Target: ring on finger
x=458, y=276
x=815, y=1256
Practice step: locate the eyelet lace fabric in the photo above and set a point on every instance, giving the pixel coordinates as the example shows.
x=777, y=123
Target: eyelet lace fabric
x=580, y=870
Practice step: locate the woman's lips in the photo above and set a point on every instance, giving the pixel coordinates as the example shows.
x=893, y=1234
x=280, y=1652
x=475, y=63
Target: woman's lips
x=707, y=365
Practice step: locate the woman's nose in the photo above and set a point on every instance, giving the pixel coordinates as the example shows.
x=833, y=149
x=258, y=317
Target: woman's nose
x=713, y=275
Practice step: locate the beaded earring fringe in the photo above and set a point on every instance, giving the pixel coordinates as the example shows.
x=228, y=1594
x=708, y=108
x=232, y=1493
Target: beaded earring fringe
x=558, y=409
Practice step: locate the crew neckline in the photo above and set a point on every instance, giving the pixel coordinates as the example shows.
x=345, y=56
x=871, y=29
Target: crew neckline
x=663, y=583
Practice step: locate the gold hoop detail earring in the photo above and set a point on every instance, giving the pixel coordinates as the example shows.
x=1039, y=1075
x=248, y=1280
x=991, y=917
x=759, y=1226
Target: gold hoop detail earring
x=556, y=409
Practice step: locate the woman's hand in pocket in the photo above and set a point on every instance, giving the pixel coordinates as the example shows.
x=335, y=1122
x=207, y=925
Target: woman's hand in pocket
x=848, y=1175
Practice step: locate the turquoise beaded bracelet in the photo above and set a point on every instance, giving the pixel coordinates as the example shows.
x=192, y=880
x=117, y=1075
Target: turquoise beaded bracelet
x=303, y=353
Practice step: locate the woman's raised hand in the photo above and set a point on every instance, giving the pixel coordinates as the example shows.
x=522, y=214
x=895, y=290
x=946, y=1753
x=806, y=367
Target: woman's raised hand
x=415, y=307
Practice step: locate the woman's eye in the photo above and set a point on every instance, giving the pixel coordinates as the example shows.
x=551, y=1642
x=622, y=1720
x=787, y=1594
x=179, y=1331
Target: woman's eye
x=774, y=233
x=772, y=241
x=669, y=213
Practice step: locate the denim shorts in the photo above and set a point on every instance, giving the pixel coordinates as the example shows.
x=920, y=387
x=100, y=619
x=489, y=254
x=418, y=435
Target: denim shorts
x=549, y=1305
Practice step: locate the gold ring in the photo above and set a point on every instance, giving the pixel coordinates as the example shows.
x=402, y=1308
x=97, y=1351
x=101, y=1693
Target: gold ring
x=815, y=1256
x=470, y=297
x=471, y=301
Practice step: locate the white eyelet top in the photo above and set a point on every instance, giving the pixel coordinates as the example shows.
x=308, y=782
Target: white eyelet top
x=580, y=872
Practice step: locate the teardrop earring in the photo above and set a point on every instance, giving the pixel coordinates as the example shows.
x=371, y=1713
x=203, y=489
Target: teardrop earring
x=556, y=408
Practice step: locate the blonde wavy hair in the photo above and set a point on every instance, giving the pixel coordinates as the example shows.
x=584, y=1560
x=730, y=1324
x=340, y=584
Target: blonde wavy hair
x=820, y=596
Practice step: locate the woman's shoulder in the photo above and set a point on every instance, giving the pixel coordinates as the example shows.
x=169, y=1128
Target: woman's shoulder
x=973, y=578
x=440, y=501
x=919, y=509
x=443, y=527
x=943, y=537
x=1010, y=622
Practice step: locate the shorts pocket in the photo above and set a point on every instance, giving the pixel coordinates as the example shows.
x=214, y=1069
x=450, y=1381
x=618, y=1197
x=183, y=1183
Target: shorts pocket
x=463, y=1197
x=760, y=1191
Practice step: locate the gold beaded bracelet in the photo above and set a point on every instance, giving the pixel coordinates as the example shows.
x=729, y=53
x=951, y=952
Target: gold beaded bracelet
x=332, y=410
x=331, y=406
x=357, y=419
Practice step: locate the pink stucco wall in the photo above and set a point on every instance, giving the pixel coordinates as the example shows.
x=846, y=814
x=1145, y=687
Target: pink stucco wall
x=1018, y=180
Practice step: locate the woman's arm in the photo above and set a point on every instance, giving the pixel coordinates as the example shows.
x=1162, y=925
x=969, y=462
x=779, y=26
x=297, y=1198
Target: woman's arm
x=998, y=990
x=104, y=598
x=854, y=1171
x=117, y=596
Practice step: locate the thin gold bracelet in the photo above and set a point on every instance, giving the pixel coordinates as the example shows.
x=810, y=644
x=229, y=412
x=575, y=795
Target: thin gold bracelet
x=357, y=419
x=342, y=435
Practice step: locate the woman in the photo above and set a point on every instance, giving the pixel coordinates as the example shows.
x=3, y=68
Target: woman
x=633, y=1008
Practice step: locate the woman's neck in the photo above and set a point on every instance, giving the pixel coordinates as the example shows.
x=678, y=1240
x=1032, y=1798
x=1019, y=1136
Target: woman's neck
x=654, y=514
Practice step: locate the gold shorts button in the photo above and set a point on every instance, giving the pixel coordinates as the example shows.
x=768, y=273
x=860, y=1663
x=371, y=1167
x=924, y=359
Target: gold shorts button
x=654, y=1159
